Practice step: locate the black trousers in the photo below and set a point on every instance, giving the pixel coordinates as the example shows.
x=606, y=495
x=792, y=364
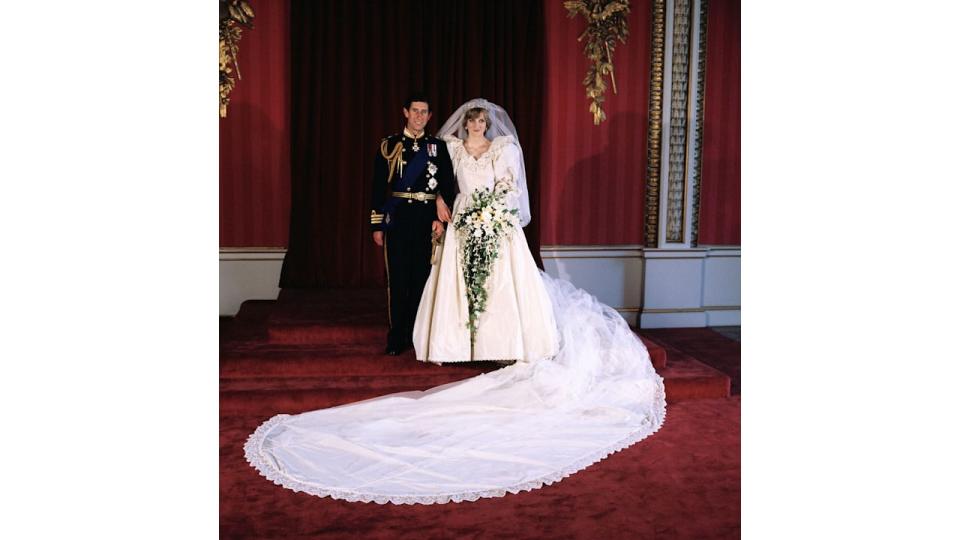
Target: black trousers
x=408, y=247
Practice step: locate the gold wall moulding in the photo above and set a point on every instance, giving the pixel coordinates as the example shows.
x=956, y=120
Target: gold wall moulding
x=234, y=15
x=679, y=102
x=606, y=24
x=698, y=133
x=655, y=122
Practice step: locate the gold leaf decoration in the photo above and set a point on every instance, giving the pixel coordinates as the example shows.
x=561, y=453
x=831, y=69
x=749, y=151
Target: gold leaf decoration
x=234, y=14
x=606, y=24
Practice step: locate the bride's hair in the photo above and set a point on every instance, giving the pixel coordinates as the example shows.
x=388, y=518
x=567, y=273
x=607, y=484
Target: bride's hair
x=473, y=113
x=498, y=125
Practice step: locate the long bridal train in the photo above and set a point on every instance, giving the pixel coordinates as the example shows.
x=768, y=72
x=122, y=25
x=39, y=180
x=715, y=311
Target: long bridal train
x=514, y=429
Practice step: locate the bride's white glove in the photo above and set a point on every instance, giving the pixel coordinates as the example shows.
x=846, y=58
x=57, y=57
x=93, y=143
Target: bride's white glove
x=505, y=184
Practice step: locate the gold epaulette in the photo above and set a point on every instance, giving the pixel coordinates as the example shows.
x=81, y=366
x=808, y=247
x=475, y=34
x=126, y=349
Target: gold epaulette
x=394, y=158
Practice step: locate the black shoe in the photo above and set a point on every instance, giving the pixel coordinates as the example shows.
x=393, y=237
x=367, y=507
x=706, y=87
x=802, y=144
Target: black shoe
x=394, y=350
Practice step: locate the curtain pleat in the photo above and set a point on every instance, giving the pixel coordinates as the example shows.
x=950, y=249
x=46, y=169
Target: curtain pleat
x=720, y=180
x=353, y=64
x=255, y=136
x=593, y=176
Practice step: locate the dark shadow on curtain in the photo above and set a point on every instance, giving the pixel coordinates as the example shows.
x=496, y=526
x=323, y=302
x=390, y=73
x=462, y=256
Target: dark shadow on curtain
x=353, y=63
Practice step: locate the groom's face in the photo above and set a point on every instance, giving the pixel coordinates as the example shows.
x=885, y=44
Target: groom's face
x=417, y=115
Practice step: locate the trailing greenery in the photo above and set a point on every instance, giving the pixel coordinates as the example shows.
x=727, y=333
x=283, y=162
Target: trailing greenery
x=480, y=228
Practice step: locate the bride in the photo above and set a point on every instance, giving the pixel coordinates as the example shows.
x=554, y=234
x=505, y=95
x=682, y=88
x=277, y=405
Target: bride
x=582, y=386
x=518, y=322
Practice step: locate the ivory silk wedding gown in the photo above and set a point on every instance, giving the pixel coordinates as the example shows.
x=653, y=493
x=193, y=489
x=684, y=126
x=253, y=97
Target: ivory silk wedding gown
x=582, y=388
x=518, y=323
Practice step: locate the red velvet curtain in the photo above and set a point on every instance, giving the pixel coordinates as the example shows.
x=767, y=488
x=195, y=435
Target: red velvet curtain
x=353, y=63
x=255, y=136
x=593, y=184
x=720, y=176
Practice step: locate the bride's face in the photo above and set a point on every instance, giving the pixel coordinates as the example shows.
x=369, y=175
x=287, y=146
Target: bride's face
x=477, y=126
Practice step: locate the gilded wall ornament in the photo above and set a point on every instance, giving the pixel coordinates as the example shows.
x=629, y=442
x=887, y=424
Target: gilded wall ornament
x=658, y=34
x=234, y=14
x=698, y=141
x=606, y=24
x=679, y=93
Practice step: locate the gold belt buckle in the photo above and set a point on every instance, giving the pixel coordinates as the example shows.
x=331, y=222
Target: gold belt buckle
x=420, y=196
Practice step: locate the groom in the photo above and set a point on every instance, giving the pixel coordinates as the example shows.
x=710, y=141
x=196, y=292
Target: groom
x=411, y=169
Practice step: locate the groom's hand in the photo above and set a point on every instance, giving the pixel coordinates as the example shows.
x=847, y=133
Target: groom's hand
x=378, y=238
x=443, y=213
x=437, y=229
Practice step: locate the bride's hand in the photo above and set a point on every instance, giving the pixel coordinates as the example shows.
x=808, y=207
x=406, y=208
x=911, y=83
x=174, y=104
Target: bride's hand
x=443, y=212
x=505, y=184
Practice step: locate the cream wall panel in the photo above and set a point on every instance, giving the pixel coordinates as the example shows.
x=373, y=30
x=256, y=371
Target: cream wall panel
x=248, y=275
x=674, y=287
x=673, y=320
x=673, y=283
x=723, y=317
x=613, y=276
x=721, y=279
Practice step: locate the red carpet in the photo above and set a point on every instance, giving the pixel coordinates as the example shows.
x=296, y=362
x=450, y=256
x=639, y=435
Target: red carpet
x=313, y=349
x=705, y=344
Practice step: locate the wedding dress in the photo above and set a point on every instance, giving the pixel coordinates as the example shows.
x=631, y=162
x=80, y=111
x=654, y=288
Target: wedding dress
x=518, y=323
x=514, y=429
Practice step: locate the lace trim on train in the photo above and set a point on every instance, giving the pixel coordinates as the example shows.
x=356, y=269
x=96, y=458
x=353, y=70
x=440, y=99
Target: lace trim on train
x=266, y=469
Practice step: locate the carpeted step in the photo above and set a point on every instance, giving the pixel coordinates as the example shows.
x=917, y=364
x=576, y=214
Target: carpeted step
x=658, y=354
x=249, y=324
x=685, y=378
x=278, y=361
x=329, y=316
x=352, y=317
x=358, y=343
x=344, y=382
x=266, y=403
x=255, y=311
x=309, y=304
x=364, y=329
x=254, y=348
x=706, y=345
x=342, y=329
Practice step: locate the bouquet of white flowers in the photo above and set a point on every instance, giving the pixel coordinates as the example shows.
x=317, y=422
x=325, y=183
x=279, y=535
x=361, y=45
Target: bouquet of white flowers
x=480, y=226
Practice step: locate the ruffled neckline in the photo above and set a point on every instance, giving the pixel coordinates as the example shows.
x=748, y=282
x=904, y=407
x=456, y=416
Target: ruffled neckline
x=495, y=145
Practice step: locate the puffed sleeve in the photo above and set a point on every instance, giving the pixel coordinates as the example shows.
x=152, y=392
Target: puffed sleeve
x=506, y=165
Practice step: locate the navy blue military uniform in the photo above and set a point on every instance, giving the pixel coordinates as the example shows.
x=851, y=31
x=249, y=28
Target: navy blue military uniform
x=408, y=174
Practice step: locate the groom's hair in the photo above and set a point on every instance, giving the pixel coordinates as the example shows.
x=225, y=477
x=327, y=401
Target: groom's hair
x=416, y=96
